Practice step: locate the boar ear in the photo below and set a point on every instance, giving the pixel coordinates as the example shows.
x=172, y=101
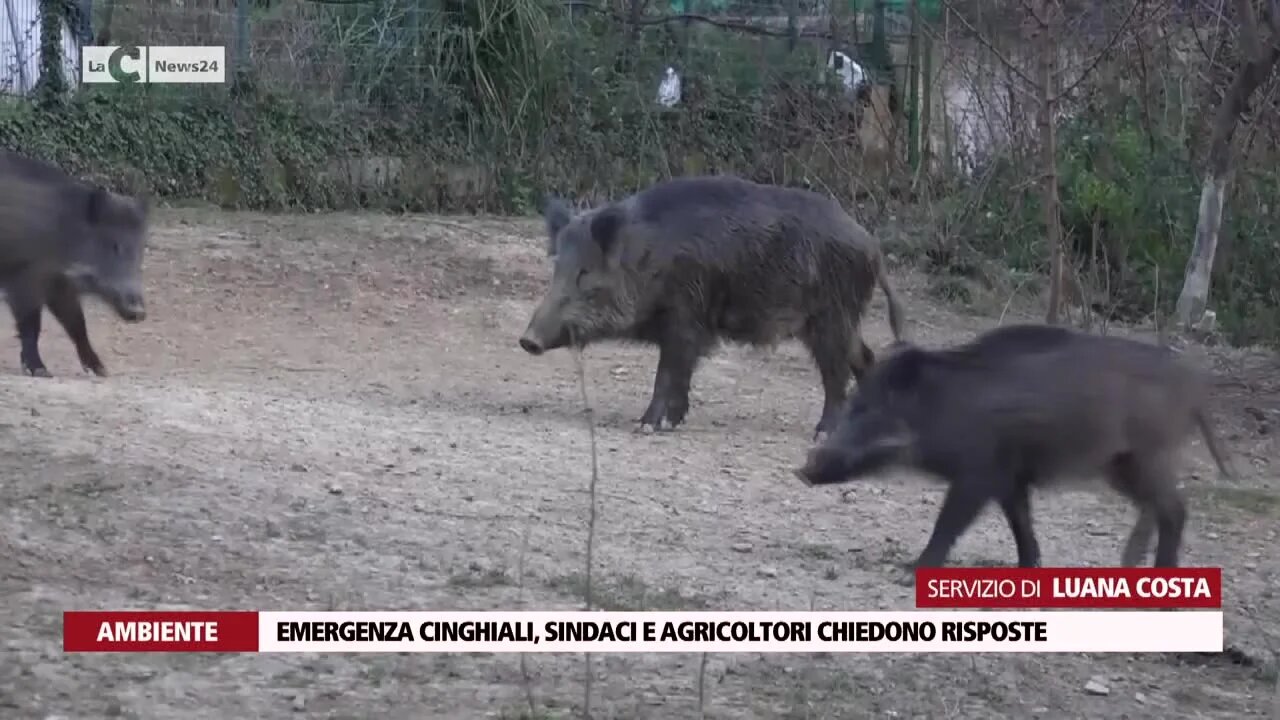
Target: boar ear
x=604, y=229
x=99, y=203
x=906, y=369
x=557, y=214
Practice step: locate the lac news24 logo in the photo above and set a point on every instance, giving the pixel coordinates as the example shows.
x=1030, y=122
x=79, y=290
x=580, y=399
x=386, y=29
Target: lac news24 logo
x=128, y=64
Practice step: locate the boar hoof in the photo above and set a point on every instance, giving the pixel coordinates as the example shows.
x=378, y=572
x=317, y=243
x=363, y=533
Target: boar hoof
x=40, y=372
x=662, y=425
x=98, y=370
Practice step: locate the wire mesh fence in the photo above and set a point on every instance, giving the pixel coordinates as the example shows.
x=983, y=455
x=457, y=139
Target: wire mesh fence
x=20, y=45
x=594, y=96
x=807, y=87
x=340, y=49
x=415, y=52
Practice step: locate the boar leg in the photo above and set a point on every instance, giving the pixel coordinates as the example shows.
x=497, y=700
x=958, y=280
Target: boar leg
x=1135, y=549
x=830, y=345
x=1123, y=477
x=29, y=336
x=862, y=359
x=964, y=501
x=1171, y=518
x=1148, y=481
x=1017, y=511
x=678, y=357
x=64, y=304
x=26, y=305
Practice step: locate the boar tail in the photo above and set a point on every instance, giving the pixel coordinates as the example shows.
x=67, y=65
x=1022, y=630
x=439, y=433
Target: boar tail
x=891, y=298
x=1215, y=446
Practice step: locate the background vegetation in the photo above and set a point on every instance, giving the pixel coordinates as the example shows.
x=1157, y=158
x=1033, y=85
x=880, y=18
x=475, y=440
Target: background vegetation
x=484, y=105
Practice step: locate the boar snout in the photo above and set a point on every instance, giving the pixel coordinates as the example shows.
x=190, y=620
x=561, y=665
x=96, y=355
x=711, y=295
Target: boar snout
x=838, y=462
x=824, y=466
x=530, y=345
x=536, y=343
x=532, y=341
x=125, y=299
x=543, y=334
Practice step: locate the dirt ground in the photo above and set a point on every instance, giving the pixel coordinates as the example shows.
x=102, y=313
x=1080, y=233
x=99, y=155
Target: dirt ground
x=331, y=412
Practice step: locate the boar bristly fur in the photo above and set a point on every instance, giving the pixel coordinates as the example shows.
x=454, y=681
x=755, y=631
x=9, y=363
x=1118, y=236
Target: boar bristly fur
x=60, y=238
x=692, y=262
x=1021, y=407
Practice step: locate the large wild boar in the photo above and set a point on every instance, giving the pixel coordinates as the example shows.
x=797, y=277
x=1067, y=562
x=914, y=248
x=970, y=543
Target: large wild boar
x=690, y=262
x=59, y=238
x=1021, y=407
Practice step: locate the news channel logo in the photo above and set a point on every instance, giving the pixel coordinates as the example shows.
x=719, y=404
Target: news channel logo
x=128, y=64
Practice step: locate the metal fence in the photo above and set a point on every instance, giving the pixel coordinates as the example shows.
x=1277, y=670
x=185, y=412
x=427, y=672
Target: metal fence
x=746, y=67
x=334, y=51
x=20, y=39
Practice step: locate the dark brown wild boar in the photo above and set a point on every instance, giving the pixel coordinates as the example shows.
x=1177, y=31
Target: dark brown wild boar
x=59, y=238
x=690, y=262
x=1021, y=407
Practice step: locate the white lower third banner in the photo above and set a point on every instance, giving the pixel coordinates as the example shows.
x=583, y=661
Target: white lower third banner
x=709, y=631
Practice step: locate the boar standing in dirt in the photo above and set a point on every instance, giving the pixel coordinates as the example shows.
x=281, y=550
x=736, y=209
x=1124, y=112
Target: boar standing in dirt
x=1026, y=406
x=693, y=261
x=59, y=238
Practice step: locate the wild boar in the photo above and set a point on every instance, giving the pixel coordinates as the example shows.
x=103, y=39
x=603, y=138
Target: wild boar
x=691, y=262
x=59, y=238
x=1021, y=407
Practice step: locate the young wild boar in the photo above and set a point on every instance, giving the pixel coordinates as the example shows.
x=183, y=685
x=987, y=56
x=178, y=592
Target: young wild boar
x=1026, y=406
x=59, y=238
x=690, y=262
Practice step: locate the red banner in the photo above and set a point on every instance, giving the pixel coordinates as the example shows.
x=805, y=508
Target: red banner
x=1112, y=588
x=159, y=631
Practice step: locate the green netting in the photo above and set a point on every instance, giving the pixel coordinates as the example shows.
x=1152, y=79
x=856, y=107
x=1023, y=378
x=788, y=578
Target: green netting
x=682, y=6
x=928, y=8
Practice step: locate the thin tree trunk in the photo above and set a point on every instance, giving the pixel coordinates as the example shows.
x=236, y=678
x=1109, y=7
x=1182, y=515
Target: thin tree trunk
x=793, y=25
x=1256, y=65
x=104, y=33
x=1049, y=154
x=633, y=40
x=913, y=86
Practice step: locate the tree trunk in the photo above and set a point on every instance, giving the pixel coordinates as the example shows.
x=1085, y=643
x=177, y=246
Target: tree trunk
x=104, y=34
x=1256, y=64
x=1049, y=154
x=913, y=86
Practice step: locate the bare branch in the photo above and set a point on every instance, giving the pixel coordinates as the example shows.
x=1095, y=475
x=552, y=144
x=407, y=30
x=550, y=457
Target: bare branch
x=705, y=19
x=1106, y=49
x=987, y=44
x=525, y=677
x=1031, y=10
x=1250, y=45
x=1210, y=57
x=702, y=685
x=589, y=413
